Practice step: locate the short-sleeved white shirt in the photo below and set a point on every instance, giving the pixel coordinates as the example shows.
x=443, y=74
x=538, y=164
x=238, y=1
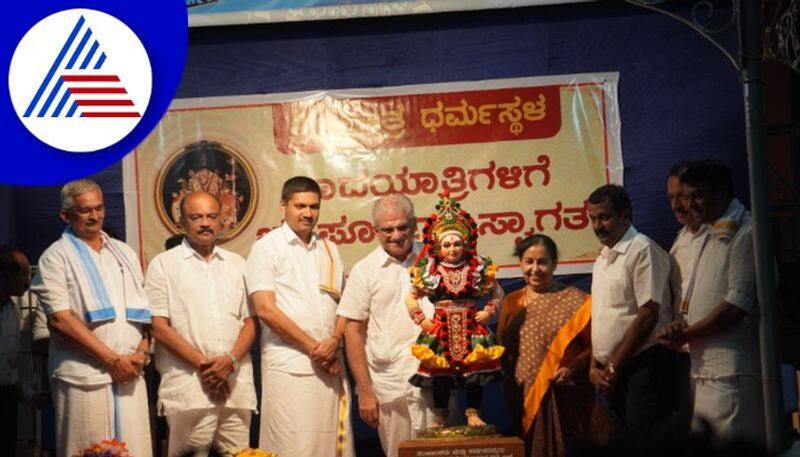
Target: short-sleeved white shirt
x=726, y=272
x=635, y=271
x=682, y=256
x=375, y=292
x=206, y=303
x=280, y=262
x=56, y=286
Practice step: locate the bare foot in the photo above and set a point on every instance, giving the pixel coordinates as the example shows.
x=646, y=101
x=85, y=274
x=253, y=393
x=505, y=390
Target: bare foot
x=475, y=421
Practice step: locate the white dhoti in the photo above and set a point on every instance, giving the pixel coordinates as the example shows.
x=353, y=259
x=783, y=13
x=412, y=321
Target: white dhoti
x=403, y=418
x=394, y=426
x=197, y=430
x=90, y=414
x=732, y=405
x=305, y=415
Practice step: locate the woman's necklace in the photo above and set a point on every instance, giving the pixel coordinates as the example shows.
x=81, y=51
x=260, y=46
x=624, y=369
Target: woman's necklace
x=531, y=296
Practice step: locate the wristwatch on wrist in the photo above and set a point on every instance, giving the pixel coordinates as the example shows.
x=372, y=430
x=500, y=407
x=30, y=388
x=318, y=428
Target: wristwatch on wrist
x=234, y=360
x=146, y=355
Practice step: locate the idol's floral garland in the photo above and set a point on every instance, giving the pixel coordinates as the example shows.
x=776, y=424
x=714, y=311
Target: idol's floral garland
x=105, y=448
x=425, y=277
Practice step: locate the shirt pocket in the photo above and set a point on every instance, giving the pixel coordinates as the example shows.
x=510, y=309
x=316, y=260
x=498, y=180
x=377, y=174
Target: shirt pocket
x=232, y=298
x=617, y=292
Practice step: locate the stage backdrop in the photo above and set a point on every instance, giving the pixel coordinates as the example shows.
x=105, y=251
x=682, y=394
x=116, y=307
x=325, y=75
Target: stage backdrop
x=521, y=155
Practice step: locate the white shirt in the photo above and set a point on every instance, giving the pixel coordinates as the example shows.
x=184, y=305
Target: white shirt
x=279, y=262
x=682, y=256
x=56, y=287
x=375, y=292
x=625, y=277
x=9, y=343
x=206, y=303
x=726, y=272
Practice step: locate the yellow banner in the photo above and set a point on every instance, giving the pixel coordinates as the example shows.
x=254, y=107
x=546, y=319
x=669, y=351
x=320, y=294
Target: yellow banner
x=522, y=156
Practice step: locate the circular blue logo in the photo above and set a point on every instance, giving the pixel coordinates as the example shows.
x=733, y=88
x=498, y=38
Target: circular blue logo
x=86, y=82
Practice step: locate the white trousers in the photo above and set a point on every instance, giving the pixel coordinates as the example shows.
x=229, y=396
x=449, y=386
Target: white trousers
x=90, y=414
x=733, y=406
x=305, y=415
x=197, y=430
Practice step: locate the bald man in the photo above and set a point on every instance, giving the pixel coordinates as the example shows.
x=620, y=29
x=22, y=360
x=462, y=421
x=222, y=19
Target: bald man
x=205, y=327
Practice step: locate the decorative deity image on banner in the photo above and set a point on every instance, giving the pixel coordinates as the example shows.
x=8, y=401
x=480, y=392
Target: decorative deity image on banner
x=214, y=168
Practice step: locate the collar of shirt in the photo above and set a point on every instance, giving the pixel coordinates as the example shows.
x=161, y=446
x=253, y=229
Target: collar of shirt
x=291, y=237
x=700, y=231
x=187, y=251
x=386, y=259
x=622, y=245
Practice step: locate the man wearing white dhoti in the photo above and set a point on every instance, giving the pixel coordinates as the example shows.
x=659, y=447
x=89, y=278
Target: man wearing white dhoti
x=722, y=320
x=91, y=288
x=378, y=333
x=295, y=279
x=204, y=329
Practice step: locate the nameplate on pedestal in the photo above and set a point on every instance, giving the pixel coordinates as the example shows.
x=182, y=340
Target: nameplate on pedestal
x=463, y=447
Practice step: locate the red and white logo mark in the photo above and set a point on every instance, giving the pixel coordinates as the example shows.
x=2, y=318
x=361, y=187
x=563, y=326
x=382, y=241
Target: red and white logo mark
x=80, y=80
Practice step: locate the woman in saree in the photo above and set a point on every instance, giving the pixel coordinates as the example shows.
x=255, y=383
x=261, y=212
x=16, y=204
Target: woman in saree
x=545, y=329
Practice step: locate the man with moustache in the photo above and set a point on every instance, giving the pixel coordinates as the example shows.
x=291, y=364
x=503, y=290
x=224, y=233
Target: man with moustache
x=630, y=301
x=682, y=257
x=91, y=288
x=378, y=333
x=295, y=279
x=205, y=327
x=721, y=326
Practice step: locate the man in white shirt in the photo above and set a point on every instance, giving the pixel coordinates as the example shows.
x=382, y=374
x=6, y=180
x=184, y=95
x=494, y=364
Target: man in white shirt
x=630, y=300
x=91, y=288
x=205, y=328
x=379, y=333
x=721, y=328
x=682, y=256
x=295, y=279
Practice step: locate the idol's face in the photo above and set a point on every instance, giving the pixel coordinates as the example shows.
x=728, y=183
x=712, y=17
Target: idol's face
x=87, y=214
x=301, y=212
x=396, y=232
x=679, y=203
x=451, y=248
x=200, y=219
x=537, y=268
x=608, y=225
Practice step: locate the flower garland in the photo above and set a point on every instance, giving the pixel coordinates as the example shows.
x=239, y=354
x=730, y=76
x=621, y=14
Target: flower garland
x=105, y=448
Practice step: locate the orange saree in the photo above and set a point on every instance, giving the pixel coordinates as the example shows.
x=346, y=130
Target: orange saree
x=542, y=334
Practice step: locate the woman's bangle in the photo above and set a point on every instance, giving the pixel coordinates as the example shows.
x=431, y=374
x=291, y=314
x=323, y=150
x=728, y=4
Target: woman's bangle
x=417, y=316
